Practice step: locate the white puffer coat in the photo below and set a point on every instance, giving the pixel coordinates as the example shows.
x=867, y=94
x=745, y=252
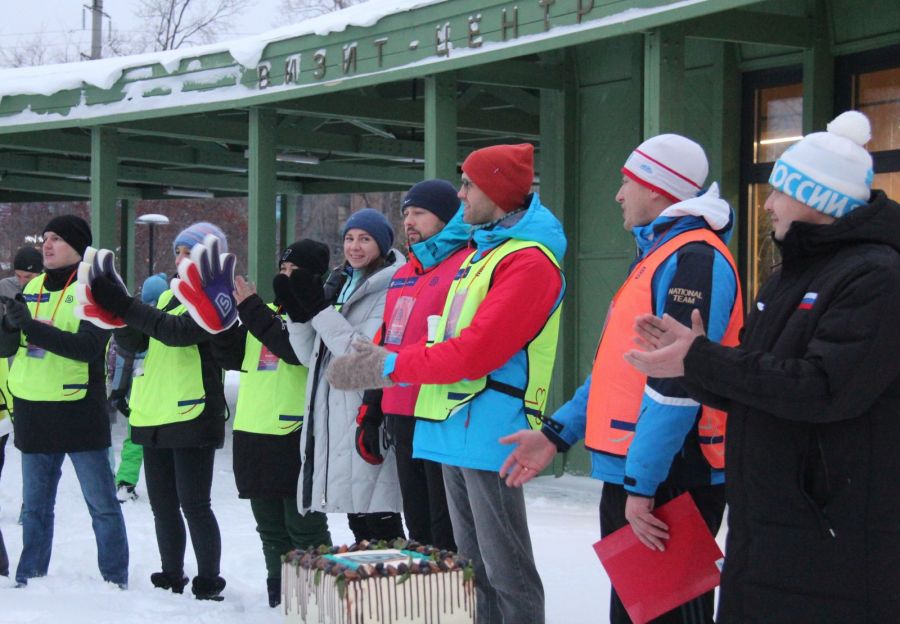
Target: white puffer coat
x=333, y=477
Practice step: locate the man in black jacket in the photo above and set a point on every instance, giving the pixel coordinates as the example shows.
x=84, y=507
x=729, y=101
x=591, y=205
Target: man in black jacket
x=58, y=383
x=813, y=395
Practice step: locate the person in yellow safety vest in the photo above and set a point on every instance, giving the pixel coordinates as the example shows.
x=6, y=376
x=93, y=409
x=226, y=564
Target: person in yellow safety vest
x=487, y=373
x=178, y=416
x=269, y=416
x=58, y=384
x=650, y=441
x=6, y=427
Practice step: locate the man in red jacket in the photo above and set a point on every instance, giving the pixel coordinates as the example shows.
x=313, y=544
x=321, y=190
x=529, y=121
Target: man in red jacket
x=437, y=238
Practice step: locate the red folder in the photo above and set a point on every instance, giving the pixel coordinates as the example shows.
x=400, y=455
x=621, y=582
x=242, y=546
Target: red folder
x=650, y=582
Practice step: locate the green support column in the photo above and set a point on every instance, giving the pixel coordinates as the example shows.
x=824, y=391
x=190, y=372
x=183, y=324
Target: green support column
x=440, y=127
x=126, y=242
x=104, y=188
x=818, y=74
x=289, y=206
x=724, y=149
x=261, y=230
x=559, y=181
x=663, y=81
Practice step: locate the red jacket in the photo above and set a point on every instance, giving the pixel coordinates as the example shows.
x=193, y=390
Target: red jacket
x=423, y=292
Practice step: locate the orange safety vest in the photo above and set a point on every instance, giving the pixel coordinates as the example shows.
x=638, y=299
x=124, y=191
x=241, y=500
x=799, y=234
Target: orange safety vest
x=617, y=388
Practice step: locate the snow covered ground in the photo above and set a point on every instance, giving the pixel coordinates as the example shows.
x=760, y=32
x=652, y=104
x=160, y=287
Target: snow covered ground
x=562, y=515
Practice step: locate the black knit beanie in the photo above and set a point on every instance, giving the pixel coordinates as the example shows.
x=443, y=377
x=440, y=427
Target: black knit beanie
x=72, y=229
x=308, y=254
x=28, y=259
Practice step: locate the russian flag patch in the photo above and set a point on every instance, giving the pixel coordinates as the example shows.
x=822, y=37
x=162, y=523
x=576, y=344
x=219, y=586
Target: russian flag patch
x=808, y=300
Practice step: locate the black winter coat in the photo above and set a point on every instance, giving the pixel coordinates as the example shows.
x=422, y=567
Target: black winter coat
x=208, y=429
x=63, y=426
x=265, y=466
x=813, y=446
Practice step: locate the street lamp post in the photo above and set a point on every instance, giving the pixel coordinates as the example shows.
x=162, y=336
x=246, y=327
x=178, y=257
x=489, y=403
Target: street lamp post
x=151, y=220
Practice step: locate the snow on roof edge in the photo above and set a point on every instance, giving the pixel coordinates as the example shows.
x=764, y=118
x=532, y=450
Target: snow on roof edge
x=103, y=73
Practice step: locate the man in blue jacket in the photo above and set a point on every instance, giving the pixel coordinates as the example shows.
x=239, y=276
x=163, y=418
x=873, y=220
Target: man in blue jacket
x=649, y=441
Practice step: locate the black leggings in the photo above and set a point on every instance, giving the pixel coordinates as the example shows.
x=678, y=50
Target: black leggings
x=375, y=526
x=179, y=482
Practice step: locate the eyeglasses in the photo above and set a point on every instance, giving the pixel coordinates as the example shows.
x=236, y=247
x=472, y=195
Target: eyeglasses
x=466, y=185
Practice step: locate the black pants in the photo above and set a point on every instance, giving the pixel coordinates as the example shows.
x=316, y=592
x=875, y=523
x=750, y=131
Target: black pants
x=422, y=488
x=179, y=482
x=375, y=526
x=4, y=558
x=3, y=440
x=710, y=500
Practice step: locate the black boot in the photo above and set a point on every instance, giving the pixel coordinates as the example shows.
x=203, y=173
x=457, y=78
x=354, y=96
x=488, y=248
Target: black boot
x=168, y=580
x=208, y=588
x=4, y=563
x=273, y=585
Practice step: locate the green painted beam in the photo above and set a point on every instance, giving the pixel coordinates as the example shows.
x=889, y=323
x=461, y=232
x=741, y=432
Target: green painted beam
x=724, y=149
x=818, y=72
x=514, y=73
x=560, y=173
x=104, y=182
x=752, y=27
x=43, y=188
x=127, y=214
x=375, y=110
x=261, y=227
x=663, y=81
x=440, y=127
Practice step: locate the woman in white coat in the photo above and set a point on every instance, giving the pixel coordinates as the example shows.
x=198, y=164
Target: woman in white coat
x=334, y=477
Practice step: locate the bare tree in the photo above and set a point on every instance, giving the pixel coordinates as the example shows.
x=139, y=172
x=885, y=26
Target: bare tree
x=174, y=23
x=294, y=10
x=40, y=51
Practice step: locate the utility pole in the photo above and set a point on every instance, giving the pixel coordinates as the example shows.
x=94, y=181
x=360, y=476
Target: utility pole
x=97, y=16
x=97, y=29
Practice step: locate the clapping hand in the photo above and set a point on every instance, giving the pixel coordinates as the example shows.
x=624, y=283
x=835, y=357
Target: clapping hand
x=665, y=342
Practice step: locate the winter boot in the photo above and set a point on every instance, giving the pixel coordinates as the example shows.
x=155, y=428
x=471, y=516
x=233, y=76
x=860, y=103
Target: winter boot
x=208, y=588
x=273, y=585
x=167, y=580
x=4, y=563
x=125, y=492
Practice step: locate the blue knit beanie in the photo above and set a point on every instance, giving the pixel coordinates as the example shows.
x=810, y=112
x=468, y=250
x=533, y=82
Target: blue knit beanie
x=375, y=224
x=194, y=234
x=153, y=287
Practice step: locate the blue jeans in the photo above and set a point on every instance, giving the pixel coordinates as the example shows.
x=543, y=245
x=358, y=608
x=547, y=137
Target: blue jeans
x=40, y=478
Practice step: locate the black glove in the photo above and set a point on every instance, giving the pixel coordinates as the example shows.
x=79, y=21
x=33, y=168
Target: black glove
x=368, y=432
x=309, y=290
x=109, y=295
x=17, y=313
x=285, y=297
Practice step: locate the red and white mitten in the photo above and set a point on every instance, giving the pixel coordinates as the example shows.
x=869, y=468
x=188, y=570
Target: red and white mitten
x=205, y=285
x=97, y=262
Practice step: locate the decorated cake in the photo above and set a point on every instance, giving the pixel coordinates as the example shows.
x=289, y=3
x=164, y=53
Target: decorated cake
x=371, y=583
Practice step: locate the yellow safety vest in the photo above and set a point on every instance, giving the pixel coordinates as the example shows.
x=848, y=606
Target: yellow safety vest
x=37, y=374
x=439, y=401
x=5, y=397
x=169, y=389
x=272, y=393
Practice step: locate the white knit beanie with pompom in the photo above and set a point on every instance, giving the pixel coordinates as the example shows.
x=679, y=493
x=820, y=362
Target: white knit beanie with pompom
x=829, y=171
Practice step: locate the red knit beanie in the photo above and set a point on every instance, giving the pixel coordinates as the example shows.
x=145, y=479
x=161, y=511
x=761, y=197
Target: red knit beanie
x=503, y=172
